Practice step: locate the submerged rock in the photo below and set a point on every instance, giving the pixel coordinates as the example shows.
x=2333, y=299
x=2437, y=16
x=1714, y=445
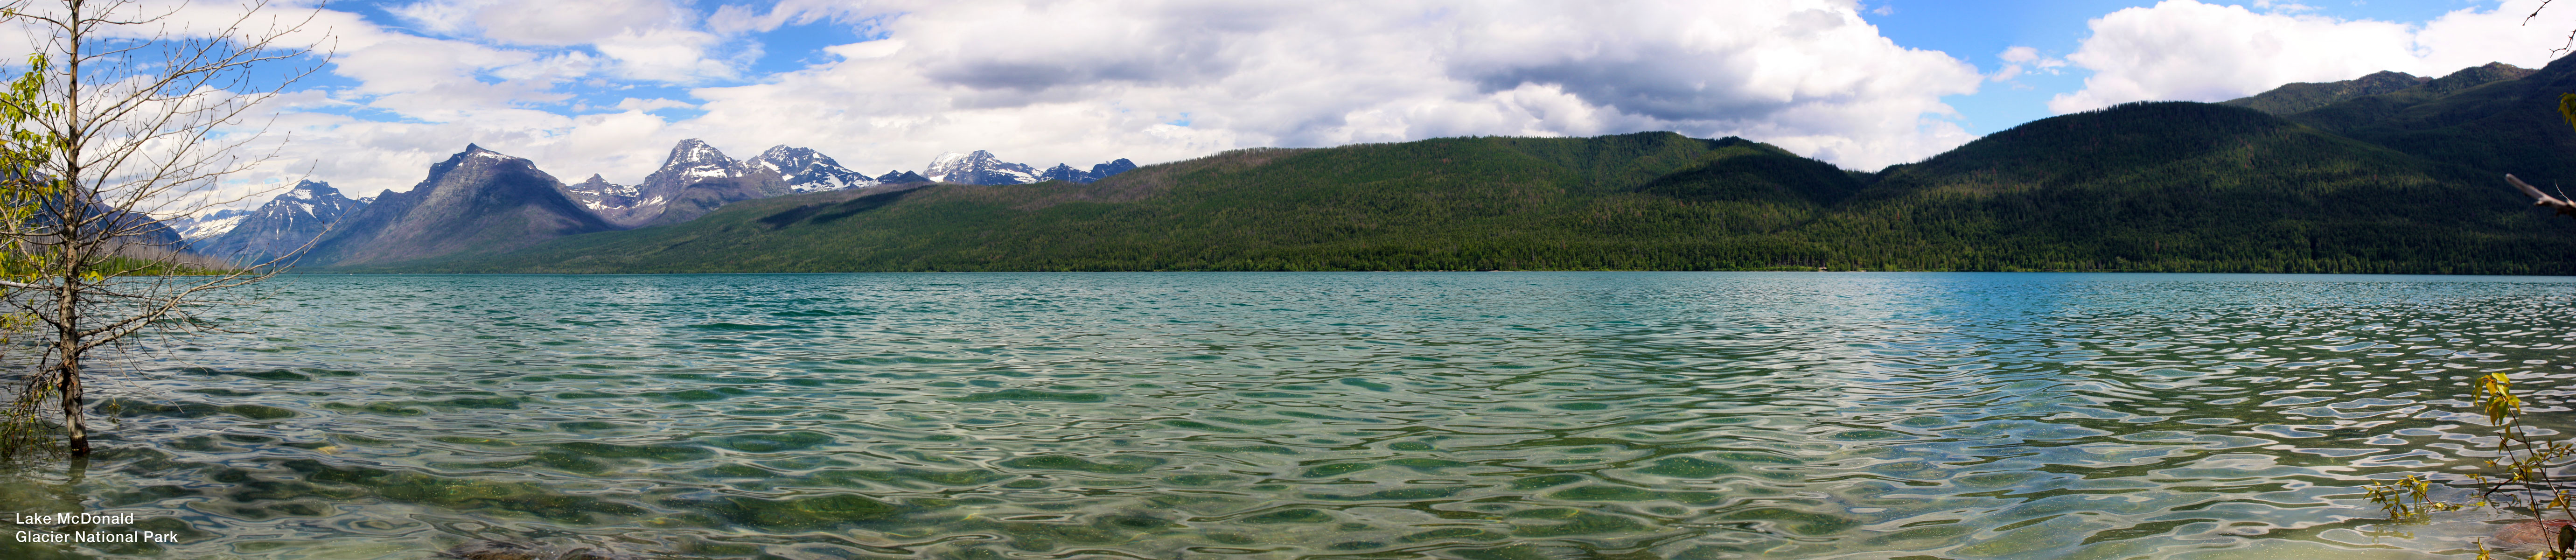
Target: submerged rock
x=2532, y=535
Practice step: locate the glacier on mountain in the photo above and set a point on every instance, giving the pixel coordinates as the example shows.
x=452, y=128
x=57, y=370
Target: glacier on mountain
x=978, y=168
x=805, y=170
x=280, y=227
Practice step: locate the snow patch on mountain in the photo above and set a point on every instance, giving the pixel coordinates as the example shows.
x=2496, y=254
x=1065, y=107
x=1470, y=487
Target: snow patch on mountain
x=805, y=170
x=282, y=225
x=978, y=168
x=210, y=225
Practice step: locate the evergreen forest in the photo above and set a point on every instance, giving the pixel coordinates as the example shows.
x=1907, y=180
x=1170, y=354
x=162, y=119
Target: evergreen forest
x=2408, y=181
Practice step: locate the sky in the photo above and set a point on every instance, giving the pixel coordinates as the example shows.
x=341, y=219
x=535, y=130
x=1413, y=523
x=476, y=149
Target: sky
x=606, y=87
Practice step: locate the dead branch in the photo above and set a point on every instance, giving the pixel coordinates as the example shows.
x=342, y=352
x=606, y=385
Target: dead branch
x=2542, y=199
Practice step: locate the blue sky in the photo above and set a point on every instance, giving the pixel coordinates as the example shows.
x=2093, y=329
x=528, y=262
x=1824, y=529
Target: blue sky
x=1979, y=31
x=607, y=86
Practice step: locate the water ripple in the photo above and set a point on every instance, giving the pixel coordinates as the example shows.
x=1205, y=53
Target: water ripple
x=1500, y=415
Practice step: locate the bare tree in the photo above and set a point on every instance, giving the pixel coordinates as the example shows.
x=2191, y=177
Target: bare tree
x=136, y=111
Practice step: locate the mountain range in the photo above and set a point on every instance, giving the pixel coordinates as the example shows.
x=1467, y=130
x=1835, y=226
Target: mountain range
x=282, y=227
x=2389, y=173
x=477, y=201
x=501, y=202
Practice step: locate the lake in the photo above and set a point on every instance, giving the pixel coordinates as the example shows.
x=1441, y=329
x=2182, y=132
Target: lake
x=1312, y=415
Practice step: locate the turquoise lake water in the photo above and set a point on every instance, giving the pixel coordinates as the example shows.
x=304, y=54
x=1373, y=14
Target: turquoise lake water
x=1306, y=415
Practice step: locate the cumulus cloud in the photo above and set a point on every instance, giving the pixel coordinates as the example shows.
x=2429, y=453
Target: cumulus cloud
x=652, y=40
x=571, y=23
x=1119, y=79
x=502, y=74
x=2187, y=50
x=1044, y=82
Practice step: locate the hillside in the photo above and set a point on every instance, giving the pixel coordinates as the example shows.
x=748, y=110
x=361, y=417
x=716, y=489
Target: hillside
x=2298, y=97
x=1648, y=200
x=2142, y=187
x=2196, y=187
x=2494, y=125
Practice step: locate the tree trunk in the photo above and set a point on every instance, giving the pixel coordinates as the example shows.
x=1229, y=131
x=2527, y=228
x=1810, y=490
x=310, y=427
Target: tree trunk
x=73, y=425
x=105, y=150
x=67, y=309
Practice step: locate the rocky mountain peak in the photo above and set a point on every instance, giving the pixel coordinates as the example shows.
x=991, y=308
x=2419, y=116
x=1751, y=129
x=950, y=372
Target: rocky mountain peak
x=978, y=168
x=476, y=201
x=806, y=170
x=311, y=190
x=473, y=152
x=599, y=196
x=1113, y=167
x=477, y=154
x=893, y=177
x=693, y=181
x=1062, y=172
x=784, y=155
x=695, y=151
x=282, y=226
x=1067, y=173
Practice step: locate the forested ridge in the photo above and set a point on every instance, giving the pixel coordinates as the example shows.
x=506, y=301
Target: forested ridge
x=2163, y=187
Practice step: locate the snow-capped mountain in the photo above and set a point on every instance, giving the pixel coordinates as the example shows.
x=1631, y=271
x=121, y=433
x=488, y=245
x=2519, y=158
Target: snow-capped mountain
x=281, y=226
x=978, y=168
x=613, y=202
x=805, y=170
x=695, y=180
x=1062, y=172
x=195, y=228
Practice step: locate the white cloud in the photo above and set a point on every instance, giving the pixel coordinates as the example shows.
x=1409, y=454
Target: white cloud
x=572, y=23
x=1044, y=82
x=651, y=40
x=2020, y=60
x=2282, y=7
x=441, y=17
x=734, y=19
x=2187, y=50
x=1108, y=79
x=633, y=104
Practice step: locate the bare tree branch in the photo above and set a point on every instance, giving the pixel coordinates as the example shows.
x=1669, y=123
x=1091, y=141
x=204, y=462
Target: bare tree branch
x=125, y=125
x=2542, y=199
